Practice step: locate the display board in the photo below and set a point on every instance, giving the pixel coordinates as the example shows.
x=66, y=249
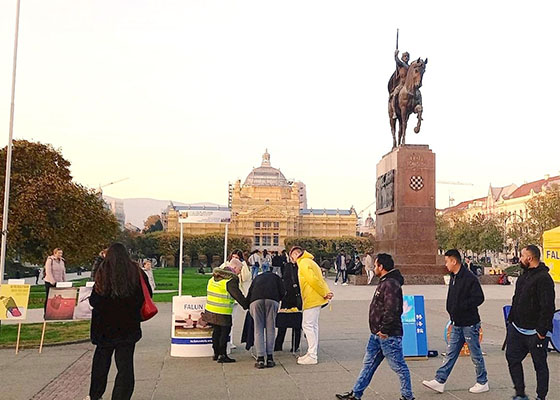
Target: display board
x=551, y=252
x=415, y=337
x=61, y=304
x=14, y=300
x=191, y=336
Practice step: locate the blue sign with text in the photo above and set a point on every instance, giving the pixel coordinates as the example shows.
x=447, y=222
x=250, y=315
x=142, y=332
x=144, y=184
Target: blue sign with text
x=415, y=335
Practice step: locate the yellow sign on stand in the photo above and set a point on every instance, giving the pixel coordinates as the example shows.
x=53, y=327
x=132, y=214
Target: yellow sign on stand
x=551, y=252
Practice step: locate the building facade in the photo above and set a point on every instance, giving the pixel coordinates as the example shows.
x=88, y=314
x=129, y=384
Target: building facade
x=269, y=208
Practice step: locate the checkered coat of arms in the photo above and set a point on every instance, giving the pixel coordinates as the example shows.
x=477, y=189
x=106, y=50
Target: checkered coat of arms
x=416, y=183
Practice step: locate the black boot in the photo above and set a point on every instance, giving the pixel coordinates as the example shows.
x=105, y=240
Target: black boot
x=225, y=359
x=260, y=363
x=270, y=361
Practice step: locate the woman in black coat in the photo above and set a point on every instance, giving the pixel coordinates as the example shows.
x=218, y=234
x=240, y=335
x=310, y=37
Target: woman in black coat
x=116, y=299
x=291, y=299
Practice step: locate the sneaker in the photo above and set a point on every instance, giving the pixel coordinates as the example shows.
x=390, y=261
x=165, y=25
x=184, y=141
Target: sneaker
x=270, y=363
x=260, y=364
x=336, y=283
x=232, y=346
x=307, y=360
x=345, y=284
x=478, y=388
x=347, y=396
x=520, y=398
x=434, y=385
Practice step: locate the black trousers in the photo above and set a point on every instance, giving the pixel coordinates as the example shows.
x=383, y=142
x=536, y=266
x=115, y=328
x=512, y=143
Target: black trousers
x=518, y=346
x=220, y=338
x=296, y=339
x=48, y=287
x=124, y=382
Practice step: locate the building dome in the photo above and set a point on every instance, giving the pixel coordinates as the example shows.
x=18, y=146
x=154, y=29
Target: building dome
x=265, y=175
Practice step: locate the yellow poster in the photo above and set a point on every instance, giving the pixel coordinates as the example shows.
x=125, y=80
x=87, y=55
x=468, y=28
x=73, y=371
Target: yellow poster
x=13, y=301
x=552, y=252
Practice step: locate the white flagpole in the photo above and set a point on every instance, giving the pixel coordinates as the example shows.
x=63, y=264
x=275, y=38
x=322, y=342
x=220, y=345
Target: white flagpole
x=9, y=154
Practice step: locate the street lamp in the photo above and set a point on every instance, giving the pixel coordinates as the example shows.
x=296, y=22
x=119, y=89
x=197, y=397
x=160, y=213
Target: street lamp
x=9, y=154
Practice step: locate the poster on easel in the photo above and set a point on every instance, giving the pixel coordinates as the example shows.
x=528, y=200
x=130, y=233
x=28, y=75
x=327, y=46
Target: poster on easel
x=83, y=308
x=61, y=304
x=14, y=300
x=191, y=335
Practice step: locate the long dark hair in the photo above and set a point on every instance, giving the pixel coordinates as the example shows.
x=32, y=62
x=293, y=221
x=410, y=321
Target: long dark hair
x=118, y=275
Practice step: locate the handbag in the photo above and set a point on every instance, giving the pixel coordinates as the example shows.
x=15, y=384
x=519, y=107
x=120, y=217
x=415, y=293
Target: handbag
x=149, y=308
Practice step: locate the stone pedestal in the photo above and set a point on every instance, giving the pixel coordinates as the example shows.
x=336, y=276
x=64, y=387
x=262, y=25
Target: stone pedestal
x=406, y=209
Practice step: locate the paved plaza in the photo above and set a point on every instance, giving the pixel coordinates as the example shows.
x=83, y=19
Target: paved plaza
x=62, y=372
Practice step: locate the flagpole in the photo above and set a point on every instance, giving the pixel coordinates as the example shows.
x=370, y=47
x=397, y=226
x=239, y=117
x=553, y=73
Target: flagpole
x=9, y=154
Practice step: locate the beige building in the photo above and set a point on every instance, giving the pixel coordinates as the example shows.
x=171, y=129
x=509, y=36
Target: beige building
x=509, y=200
x=268, y=208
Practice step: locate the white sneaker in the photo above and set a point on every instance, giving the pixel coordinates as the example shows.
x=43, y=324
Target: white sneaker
x=232, y=346
x=478, y=388
x=336, y=283
x=344, y=284
x=306, y=360
x=434, y=385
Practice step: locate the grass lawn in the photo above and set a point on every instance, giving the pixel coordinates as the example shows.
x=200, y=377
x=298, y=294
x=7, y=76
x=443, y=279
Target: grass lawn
x=56, y=332
x=194, y=284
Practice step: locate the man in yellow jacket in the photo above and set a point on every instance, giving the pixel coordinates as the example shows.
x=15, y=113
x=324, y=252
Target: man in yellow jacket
x=315, y=294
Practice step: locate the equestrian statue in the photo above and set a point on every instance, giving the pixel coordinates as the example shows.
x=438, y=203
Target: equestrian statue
x=404, y=95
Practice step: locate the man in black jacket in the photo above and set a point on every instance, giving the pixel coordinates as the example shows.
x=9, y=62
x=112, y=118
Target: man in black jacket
x=530, y=322
x=386, y=329
x=464, y=296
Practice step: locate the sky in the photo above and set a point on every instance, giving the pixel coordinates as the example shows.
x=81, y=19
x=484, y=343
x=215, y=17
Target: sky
x=183, y=97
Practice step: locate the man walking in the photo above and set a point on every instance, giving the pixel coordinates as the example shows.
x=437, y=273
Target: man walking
x=254, y=262
x=341, y=270
x=315, y=294
x=530, y=322
x=386, y=329
x=464, y=296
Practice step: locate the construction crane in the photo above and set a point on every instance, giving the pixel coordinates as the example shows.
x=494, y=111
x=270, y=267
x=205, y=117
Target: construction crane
x=451, y=199
x=100, y=188
x=361, y=212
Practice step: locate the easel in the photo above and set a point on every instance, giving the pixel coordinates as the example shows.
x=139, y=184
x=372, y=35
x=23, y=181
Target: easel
x=58, y=285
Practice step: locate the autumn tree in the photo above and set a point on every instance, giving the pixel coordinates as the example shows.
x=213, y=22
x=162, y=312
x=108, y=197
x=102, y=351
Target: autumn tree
x=153, y=224
x=47, y=209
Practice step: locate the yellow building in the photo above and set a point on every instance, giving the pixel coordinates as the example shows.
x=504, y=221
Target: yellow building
x=268, y=208
x=509, y=200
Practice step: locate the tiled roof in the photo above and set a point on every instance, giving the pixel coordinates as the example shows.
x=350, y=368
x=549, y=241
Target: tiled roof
x=462, y=205
x=535, y=186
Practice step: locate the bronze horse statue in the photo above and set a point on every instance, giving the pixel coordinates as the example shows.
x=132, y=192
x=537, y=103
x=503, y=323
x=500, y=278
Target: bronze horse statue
x=407, y=100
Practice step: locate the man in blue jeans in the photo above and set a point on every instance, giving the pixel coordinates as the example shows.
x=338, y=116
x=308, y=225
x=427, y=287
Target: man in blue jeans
x=464, y=296
x=386, y=329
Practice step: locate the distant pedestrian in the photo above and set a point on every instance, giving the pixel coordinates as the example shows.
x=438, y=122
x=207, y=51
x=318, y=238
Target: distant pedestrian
x=116, y=299
x=147, y=268
x=254, y=263
x=97, y=262
x=315, y=294
x=54, y=271
x=385, y=340
x=464, y=296
x=222, y=292
x=277, y=264
x=530, y=322
x=264, y=296
x=37, y=274
x=369, y=267
x=341, y=269
x=266, y=261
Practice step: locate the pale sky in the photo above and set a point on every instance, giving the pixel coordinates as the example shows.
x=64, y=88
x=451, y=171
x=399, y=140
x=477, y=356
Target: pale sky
x=184, y=96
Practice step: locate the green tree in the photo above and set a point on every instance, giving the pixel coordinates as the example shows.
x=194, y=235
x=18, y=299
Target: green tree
x=153, y=224
x=48, y=210
x=544, y=214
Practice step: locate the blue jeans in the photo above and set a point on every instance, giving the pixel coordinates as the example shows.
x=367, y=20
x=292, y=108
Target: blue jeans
x=254, y=271
x=459, y=336
x=376, y=350
x=264, y=313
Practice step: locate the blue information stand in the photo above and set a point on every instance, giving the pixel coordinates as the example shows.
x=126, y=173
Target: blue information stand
x=415, y=338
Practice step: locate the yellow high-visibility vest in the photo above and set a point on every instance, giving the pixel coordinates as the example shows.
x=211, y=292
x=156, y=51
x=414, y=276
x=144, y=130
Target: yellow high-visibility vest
x=218, y=300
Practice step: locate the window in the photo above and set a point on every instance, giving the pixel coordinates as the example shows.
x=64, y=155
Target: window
x=257, y=225
x=257, y=240
x=275, y=240
x=267, y=224
x=276, y=225
x=266, y=240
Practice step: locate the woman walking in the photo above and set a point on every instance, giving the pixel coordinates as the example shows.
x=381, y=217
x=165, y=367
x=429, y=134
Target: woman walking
x=115, y=324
